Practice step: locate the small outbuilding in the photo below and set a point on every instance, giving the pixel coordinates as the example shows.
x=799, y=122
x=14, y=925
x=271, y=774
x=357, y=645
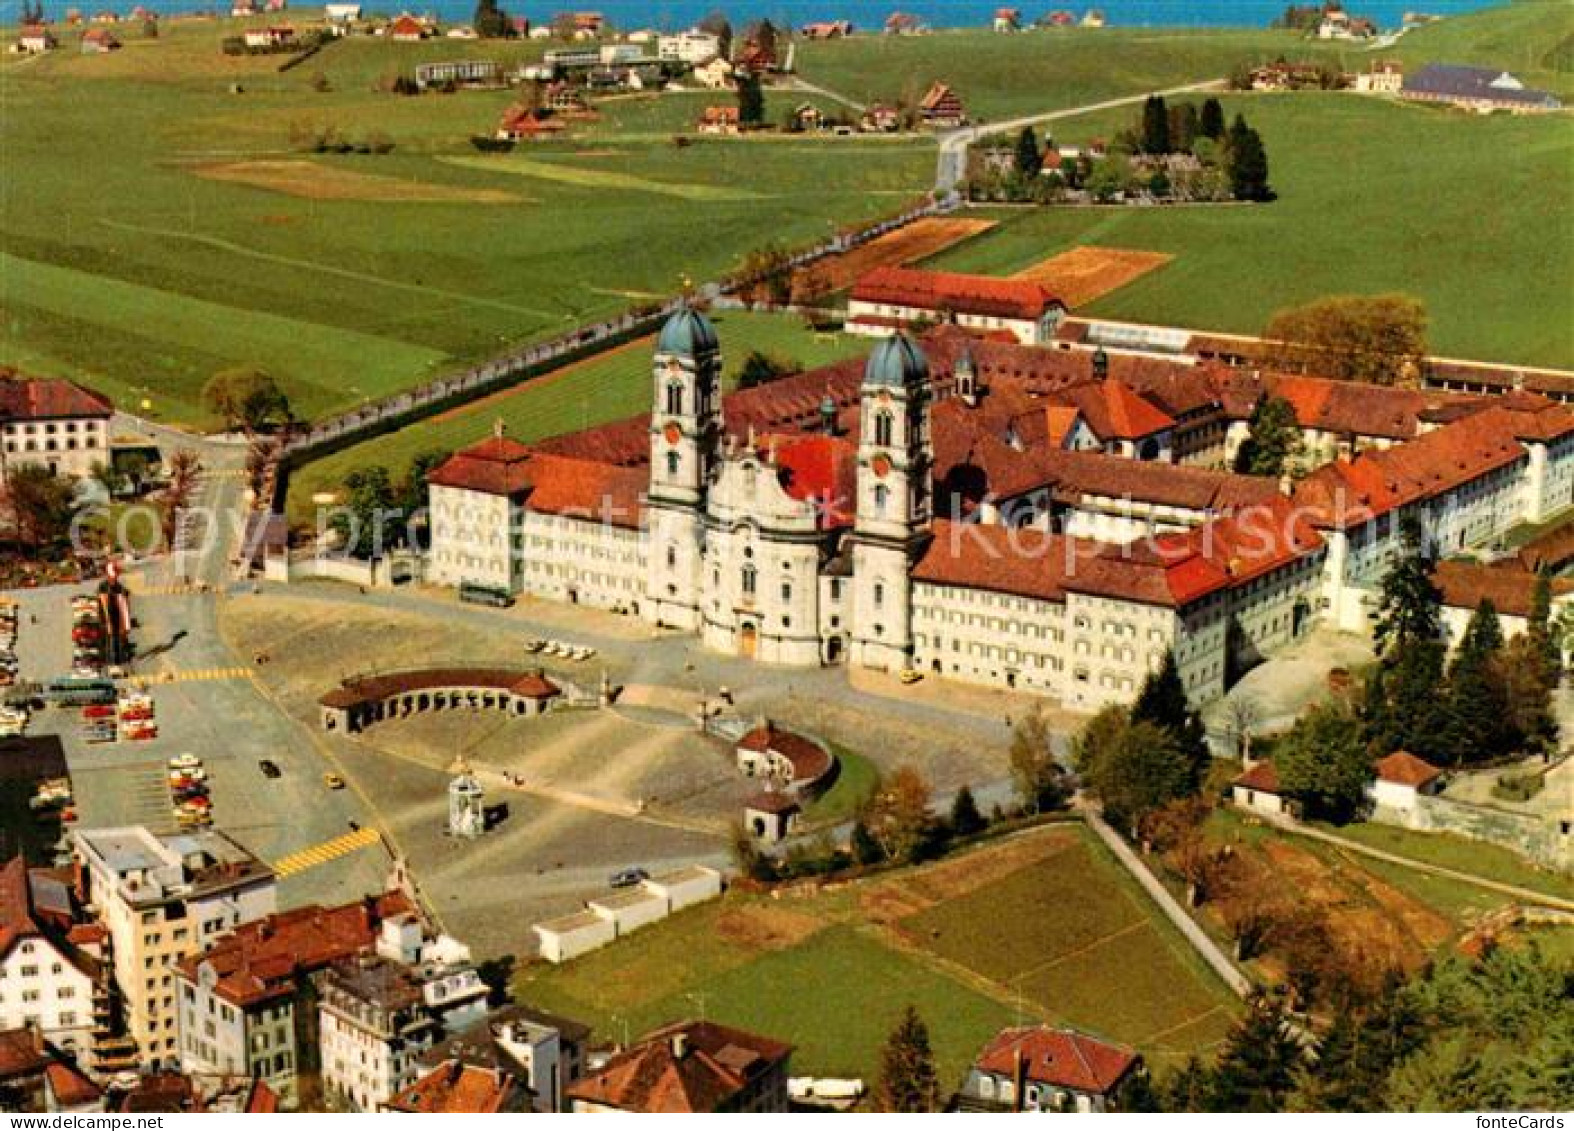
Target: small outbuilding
x=771, y=816
x=1258, y=790
x=570, y=936
x=1402, y=779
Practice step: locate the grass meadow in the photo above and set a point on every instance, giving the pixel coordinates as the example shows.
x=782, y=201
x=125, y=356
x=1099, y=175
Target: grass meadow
x=1044, y=927
x=1472, y=215
x=149, y=274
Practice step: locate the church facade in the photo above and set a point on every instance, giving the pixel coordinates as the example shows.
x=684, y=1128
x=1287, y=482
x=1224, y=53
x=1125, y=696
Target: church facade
x=991, y=513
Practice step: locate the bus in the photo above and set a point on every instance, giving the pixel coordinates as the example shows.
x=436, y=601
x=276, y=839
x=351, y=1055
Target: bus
x=79, y=691
x=475, y=594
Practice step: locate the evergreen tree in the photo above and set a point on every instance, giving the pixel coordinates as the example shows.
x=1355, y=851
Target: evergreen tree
x=1211, y=124
x=1248, y=164
x=490, y=21
x=1186, y=1089
x=865, y=849
x=1528, y=689
x=965, y=817
x=1183, y=127
x=1274, y=440
x=1539, y=628
x=1258, y=1065
x=1478, y=723
x=908, y=1082
x=1409, y=604
x=751, y=102
x=1133, y=768
x=1155, y=126
x=1030, y=158
x=1162, y=702
x=1403, y=708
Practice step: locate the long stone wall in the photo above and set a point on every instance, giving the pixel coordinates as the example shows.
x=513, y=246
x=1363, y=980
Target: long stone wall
x=1539, y=838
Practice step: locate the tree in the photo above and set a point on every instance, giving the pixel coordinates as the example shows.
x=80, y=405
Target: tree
x=1155, y=126
x=718, y=25
x=1248, y=163
x=246, y=398
x=1131, y=767
x=864, y=848
x=908, y=1082
x=490, y=21
x=1538, y=628
x=1323, y=762
x=760, y=368
x=763, y=37
x=1528, y=692
x=1162, y=701
x=1258, y=1065
x=1409, y=604
x=40, y=505
x=1183, y=127
x=1030, y=157
x=1211, y=122
x=1035, y=775
x=897, y=813
x=182, y=469
x=751, y=102
x=1242, y=714
x=1478, y=723
x=1274, y=440
x=766, y=274
x=361, y=522
x=1403, y=709
x=966, y=820
x=1376, y=339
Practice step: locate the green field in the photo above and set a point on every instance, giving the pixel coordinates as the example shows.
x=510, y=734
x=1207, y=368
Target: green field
x=817, y=972
x=127, y=269
x=1473, y=857
x=611, y=386
x=1475, y=216
x=1003, y=76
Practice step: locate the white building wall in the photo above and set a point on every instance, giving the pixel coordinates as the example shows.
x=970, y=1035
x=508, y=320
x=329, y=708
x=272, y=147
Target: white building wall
x=472, y=539
x=40, y=986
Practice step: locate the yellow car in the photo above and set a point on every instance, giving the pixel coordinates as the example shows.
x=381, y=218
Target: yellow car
x=910, y=676
x=333, y=781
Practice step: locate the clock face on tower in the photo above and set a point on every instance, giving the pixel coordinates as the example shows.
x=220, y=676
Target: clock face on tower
x=672, y=432
x=674, y=369
x=881, y=466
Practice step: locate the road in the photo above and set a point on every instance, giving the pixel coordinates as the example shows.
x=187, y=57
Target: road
x=951, y=164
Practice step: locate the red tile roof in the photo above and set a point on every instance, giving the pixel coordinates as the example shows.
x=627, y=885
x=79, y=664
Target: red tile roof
x=1025, y=562
x=823, y=470
x=265, y=959
x=1114, y=411
x=70, y=1087
x=16, y=905
x=529, y=684
x=809, y=760
x=453, y=1088
x=772, y=801
x=495, y=466
x=1059, y=1058
x=1262, y=778
x=946, y=290
x=1079, y=474
x=694, y=1066
x=47, y=398
x=407, y=27
x=1351, y=492
x=1402, y=768
x=22, y=1053
x=1509, y=587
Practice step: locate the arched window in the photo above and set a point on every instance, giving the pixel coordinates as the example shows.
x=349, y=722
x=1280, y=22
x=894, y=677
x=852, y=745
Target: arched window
x=882, y=495
x=750, y=578
x=673, y=462
x=882, y=428
x=675, y=398
x=672, y=557
x=879, y=594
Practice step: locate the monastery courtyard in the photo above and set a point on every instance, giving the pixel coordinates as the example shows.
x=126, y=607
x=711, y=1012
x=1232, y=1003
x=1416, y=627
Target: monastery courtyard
x=587, y=791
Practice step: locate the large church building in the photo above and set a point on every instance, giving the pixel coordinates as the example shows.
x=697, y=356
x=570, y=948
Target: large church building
x=1043, y=519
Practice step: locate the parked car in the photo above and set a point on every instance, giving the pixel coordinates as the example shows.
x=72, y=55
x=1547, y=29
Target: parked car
x=628, y=877
x=333, y=781
x=270, y=768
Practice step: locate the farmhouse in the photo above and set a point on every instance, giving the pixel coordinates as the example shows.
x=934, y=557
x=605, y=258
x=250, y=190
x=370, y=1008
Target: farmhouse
x=1386, y=76
x=904, y=23
x=880, y=118
x=270, y=37
x=941, y=108
x=692, y=47
x=99, y=41
x=52, y=423
x=1478, y=89
x=719, y=120
x=1008, y=19
x=35, y=39
x=407, y=29
x=1037, y=1068
x=806, y=116
x=888, y=299
x=520, y=124
x=827, y=29
x=691, y=1066
x=714, y=75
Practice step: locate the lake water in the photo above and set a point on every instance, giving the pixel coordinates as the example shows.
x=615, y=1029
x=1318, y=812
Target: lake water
x=866, y=15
